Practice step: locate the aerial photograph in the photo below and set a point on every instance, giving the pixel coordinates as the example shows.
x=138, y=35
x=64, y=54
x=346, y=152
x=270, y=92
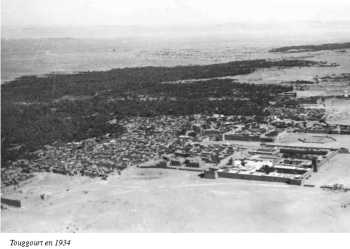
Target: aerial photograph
x=175, y=116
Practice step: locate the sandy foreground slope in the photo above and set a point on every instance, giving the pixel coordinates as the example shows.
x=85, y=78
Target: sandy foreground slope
x=160, y=200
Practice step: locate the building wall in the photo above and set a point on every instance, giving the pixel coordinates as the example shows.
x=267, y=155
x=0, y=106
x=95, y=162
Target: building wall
x=11, y=202
x=241, y=137
x=260, y=178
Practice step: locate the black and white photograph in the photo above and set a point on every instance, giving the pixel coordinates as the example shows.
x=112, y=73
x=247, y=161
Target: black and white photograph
x=174, y=116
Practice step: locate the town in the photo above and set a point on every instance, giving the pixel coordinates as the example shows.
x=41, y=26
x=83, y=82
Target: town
x=217, y=145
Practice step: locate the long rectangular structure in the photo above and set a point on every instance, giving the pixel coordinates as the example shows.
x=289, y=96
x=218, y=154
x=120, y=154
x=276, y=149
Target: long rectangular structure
x=261, y=177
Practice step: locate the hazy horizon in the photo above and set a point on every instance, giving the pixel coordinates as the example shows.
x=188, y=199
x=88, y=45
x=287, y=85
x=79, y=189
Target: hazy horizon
x=168, y=12
x=336, y=30
x=168, y=32
x=118, y=18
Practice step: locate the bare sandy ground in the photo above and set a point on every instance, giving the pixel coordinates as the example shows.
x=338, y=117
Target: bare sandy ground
x=338, y=111
x=277, y=75
x=160, y=200
x=337, y=170
x=293, y=140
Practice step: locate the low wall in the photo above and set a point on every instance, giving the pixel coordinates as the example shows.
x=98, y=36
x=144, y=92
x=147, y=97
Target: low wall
x=290, y=171
x=11, y=202
x=210, y=174
x=259, y=178
x=172, y=167
x=233, y=137
x=191, y=169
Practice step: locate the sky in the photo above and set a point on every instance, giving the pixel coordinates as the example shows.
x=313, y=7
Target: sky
x=167, y=12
